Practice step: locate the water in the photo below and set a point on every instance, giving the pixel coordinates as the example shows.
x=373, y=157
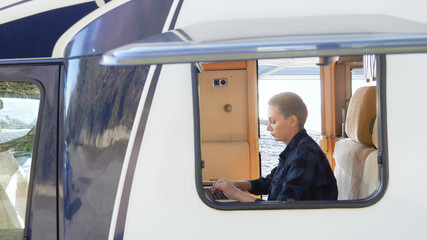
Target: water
x=17, y=117
x=24, y=110
x=10, y=134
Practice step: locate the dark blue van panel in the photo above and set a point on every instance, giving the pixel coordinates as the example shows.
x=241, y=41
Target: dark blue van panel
x=35, y=36
x=128, y=23
x=97, y=112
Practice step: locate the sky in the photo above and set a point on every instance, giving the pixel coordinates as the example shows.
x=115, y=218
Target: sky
x=307, y=89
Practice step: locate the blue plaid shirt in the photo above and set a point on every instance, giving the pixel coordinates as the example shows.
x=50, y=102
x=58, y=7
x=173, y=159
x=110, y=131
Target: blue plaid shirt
x=303, y=173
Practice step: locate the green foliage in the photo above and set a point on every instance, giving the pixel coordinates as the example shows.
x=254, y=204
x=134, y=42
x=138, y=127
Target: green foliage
x=19, y=90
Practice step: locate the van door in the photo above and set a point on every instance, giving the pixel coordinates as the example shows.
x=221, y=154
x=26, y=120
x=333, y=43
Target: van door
x=28, y=149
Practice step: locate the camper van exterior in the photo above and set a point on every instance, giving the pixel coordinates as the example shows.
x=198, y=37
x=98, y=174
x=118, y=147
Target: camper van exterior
x=115, y=115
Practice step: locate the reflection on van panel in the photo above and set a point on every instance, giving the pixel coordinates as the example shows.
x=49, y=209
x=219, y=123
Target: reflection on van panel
x=116, y=115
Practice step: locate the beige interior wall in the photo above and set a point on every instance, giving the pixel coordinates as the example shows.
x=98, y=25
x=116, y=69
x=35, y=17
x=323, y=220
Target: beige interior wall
x=226, y=159
x=216, y=123
x=225, y=148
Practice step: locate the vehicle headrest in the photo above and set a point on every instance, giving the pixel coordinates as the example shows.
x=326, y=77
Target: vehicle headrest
x=375, y=133
x=361, y=114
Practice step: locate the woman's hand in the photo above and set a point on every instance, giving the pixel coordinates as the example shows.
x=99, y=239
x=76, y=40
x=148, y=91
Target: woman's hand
x=224, y=185
x=232, y=191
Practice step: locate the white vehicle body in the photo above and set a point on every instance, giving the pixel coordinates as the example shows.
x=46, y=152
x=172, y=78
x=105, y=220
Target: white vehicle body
x=158, y=190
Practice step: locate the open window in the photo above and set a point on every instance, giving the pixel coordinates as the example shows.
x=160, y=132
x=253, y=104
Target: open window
x=235, y=143
x=338, y=46
x=19, y=111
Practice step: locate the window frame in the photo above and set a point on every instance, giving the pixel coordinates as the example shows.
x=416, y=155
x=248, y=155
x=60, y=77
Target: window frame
x=46, y=75
x=266, y=205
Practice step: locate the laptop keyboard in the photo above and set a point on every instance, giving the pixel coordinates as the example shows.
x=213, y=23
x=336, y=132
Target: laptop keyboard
x=218, y=195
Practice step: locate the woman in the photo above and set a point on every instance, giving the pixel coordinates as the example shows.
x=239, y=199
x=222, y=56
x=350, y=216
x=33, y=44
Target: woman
x=303, y=172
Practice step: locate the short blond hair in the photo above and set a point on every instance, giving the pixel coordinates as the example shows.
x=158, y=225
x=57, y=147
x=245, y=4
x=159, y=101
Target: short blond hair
x=288, y=104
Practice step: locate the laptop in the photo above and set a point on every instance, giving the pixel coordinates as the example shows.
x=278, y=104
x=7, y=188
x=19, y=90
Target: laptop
x=218, y=196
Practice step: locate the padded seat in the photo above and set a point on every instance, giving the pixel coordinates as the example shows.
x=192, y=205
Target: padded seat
x=370, y=178
x=350, y=157
x=13, y=192
x=355, y=170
